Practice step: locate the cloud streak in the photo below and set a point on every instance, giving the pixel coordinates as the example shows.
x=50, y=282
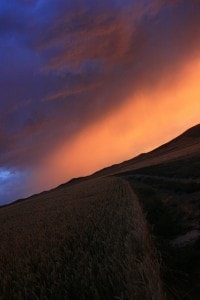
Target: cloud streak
x=67, y=66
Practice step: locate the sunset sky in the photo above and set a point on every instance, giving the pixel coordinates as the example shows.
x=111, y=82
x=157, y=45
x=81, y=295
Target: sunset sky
x=85, y=84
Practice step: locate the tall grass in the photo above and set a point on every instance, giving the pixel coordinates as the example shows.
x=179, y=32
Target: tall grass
x=87, y=241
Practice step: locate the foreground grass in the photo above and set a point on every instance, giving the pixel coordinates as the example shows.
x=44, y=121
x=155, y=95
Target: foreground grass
x=87, y=241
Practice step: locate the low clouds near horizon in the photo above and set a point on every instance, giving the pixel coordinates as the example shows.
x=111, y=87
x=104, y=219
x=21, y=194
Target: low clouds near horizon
x=113, y=78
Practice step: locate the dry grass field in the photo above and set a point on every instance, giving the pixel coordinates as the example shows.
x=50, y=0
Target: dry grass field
x=85, y=241
x=91, y=238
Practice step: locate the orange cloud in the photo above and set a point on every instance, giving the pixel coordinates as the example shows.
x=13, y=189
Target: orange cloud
x=121, y=77
x=144, y=121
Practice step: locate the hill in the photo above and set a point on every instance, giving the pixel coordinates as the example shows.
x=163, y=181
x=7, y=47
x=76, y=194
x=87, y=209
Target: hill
x=184, y=147
x=89, y=241
x=130, y=231
x=167, y=183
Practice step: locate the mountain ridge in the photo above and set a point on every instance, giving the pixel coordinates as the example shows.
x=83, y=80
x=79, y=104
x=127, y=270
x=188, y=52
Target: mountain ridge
x=185, y=144
x=190, y=137
x=121, y=224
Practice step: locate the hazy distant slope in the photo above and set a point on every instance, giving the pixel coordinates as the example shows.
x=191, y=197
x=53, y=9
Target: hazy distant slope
x=185, y=146
x=87, y=241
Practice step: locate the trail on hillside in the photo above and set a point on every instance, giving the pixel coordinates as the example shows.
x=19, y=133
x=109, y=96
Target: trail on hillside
x=87, y=241
x=171, y=206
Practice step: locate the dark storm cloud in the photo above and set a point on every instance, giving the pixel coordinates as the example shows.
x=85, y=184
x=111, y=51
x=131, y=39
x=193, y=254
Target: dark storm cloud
x=130, y=39
x=66, y=63
x=103, y=33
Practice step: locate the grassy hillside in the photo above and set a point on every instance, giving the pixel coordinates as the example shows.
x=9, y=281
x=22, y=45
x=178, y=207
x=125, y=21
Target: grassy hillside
x=170, y=196
x=185, y=147
x=89, y=238
x=87, y=241
x=167, y=183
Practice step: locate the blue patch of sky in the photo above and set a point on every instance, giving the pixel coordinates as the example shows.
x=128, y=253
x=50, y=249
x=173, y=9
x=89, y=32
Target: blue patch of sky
x=4, y=174
x=11, y=187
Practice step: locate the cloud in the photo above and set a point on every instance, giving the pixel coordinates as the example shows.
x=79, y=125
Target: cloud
x=104, y=33
x=67, y=65
x=70, y=92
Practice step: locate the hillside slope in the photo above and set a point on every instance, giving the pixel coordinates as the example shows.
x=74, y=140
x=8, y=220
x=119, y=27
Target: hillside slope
x=88, y=241
x=186, y=147
x=167, y=183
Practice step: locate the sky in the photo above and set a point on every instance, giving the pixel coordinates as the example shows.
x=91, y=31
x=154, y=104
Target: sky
x=86, y=84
